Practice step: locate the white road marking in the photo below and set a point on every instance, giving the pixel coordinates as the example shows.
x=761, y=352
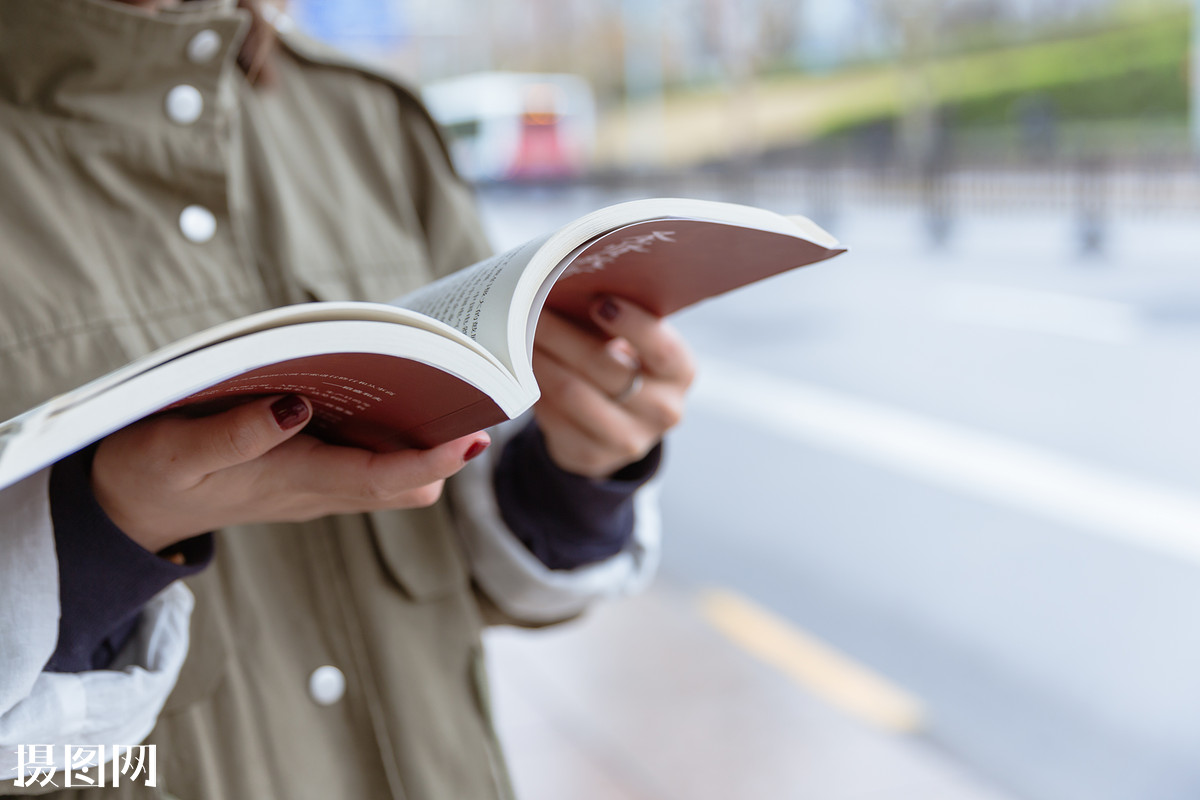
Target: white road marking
x=1055, y=313
x=984, y=465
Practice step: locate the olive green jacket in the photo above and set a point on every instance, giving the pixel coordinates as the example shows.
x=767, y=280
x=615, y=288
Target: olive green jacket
x=133, y=213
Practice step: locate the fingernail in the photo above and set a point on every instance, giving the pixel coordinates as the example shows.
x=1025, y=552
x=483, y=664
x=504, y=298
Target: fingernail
x=475, y=449
x=290, y=411
x=608, y=310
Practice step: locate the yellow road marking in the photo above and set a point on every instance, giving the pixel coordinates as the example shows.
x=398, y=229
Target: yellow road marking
x=819, y=668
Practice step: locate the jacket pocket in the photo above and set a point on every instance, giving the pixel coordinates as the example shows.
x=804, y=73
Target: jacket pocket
x=378, y=280
x=419, y=548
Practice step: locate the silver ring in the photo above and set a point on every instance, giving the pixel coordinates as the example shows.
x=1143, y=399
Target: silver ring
x=635, y=386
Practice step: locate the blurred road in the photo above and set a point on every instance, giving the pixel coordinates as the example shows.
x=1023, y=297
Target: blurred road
x=975, y=470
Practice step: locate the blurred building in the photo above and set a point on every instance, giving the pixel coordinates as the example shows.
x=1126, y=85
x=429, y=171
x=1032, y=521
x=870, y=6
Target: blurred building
x=652, y=64
x=695, y=39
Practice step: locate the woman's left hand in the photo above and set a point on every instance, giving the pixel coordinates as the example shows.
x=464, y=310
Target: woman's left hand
x=608, y=399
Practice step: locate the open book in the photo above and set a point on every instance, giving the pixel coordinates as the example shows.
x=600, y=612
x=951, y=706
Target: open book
x=451, y=358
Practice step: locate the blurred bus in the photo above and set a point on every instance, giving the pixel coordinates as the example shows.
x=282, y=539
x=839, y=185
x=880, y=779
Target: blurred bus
x=510, y=126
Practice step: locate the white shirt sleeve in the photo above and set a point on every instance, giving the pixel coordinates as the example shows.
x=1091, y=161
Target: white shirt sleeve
x=116, y=706
x=515, y=579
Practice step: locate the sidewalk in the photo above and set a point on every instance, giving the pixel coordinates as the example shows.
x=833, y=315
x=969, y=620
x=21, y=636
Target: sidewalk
x=643, y=700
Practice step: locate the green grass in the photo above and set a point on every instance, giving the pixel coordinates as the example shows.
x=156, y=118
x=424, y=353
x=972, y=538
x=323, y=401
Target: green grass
x=1100, y=83
x=1137, y=94
x=1113, y=78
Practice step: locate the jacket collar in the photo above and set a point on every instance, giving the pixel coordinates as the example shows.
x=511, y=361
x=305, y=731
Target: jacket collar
x=104, y=61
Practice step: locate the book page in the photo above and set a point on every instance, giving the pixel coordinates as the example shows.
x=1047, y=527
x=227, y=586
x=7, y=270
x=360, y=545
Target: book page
x=373, y=383
x=476, y=300
x=663, y=253
x=233, y=329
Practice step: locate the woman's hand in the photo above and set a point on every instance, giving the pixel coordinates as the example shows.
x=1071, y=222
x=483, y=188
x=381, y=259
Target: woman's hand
x=167, y=478
x=607, y=400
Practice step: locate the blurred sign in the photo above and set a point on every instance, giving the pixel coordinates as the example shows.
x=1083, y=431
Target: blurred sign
x=513, y=126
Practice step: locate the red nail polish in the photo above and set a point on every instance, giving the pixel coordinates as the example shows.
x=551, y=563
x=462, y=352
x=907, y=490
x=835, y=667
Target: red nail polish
x=475, y=449
x=290, y=411
x=608, y=310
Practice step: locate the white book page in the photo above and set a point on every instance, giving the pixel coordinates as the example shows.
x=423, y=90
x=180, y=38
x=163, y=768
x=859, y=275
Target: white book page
x=50, y=431
x=476, y=300
x=244, y=326
x=496, y=302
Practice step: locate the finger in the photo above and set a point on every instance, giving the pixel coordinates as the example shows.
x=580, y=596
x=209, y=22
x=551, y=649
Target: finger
x=585, y=406
x=574, y=449
x=608, y=363
x=655, y=407
x=658, y=405
x=629, y=427
x=208, y=444
x=361, y=479
x=659, y=347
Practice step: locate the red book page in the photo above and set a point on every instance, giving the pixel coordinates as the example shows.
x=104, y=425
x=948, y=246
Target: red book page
x=666, y=265
x=380, y=403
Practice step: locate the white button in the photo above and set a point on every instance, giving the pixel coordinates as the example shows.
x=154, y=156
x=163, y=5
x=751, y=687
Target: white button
x=185, y=104
x=198, y=224
x=203, y=46
x=326, y=685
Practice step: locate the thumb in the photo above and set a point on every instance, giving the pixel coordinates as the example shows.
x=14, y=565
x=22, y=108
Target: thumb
x=243, y=433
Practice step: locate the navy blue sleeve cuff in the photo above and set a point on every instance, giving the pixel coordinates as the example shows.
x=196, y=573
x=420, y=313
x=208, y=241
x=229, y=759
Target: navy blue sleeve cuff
x=104, y=576
x=566, y=520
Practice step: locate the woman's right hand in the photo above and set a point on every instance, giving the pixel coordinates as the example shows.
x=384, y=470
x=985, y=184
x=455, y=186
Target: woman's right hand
x=167, y=478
